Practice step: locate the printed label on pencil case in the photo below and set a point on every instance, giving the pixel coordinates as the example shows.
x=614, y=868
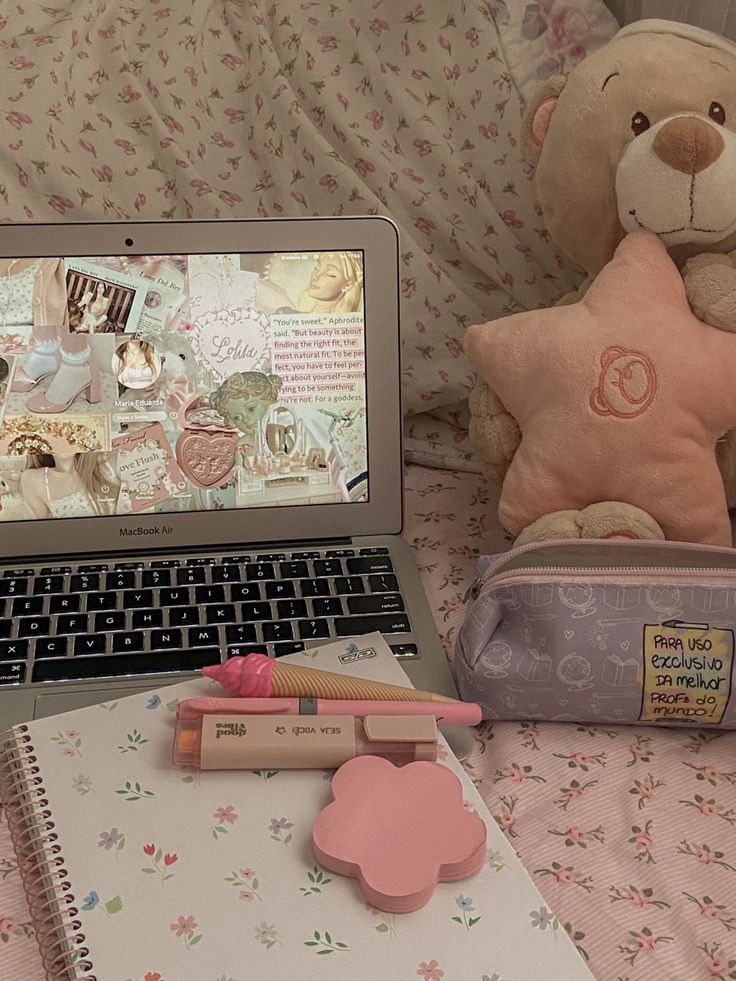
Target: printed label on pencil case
x=687, y=672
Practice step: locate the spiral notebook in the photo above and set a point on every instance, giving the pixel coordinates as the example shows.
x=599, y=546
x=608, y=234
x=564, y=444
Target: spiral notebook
x=136, y=870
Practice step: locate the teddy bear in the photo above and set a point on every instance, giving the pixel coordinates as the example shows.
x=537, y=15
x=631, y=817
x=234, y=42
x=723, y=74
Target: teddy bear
x=640, y=136
x=12, y=505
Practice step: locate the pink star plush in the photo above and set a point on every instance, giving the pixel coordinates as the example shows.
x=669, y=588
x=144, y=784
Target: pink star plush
x=620, y=397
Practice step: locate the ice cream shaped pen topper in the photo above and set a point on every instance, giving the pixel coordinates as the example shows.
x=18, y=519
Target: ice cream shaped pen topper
x=259, y=676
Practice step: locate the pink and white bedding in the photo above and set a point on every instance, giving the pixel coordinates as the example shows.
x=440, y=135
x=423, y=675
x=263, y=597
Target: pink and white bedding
x=411, y=109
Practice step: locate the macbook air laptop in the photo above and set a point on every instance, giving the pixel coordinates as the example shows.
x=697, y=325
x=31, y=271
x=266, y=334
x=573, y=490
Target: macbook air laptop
x=200, y=453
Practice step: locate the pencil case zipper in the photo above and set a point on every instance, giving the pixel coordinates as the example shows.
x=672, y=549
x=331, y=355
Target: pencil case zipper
x=517, y=565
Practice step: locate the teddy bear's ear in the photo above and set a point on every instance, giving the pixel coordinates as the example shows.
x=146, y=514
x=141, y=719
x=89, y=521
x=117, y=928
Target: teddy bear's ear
x=537, y=116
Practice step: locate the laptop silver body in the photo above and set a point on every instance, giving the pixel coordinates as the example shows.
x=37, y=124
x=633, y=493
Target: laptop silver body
x=179, y=395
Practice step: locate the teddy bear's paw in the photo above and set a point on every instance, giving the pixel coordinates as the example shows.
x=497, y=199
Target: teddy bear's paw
x=710, y=285
x=557, y=524
x=492, y=430
x=614, y=519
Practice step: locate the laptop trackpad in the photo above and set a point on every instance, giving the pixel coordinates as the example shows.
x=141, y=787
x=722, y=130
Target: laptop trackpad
x=54, y=704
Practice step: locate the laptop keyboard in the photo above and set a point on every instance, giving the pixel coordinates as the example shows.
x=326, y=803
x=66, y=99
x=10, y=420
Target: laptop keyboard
x=85, y=621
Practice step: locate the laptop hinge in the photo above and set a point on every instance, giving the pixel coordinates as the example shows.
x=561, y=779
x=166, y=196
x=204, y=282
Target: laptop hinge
x=269, y=546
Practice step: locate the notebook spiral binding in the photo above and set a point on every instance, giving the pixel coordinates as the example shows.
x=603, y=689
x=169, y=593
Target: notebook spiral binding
x=52, y=905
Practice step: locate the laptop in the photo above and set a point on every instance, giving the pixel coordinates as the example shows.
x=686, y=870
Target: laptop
x=200, y=453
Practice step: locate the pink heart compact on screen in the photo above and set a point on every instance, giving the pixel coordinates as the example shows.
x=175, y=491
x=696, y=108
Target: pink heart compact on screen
x=207, y=458
x=399, y=831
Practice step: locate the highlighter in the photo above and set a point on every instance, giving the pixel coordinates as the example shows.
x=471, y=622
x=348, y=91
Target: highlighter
x=279, y=742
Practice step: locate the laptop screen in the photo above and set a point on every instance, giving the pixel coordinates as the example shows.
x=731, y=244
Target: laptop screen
x=181, y=383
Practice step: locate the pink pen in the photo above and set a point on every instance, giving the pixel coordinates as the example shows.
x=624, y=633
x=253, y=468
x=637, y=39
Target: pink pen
x=259, y=676
x=445, y=713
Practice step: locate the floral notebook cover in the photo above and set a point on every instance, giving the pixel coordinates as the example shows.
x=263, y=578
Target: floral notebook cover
x=210, y=876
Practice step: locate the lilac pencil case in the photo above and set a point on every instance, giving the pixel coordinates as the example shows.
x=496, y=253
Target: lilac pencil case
x=602, y=631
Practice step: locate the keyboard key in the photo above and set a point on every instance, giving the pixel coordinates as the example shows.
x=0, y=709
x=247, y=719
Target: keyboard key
x=315, y=587
x=130, y=643
x=259, y=570
x=384, y=583
x=375, y=550
x=240, y=650
x=405, y=650
x=376, y=603
x=269, y=557
x=293, y=570
x=165, y=564
x=184, y=616
x=327, y=606
x=385, y=623
x=64, y=604
x=84, y=583
x=288, y=647
x=224, y=613
x=256, y=611
x=245, y=591
x=122, y=566
x=235, y=559
x=5, y=627
x=166, y=640
x=101, y=601
x=13, y=587
x=240, y=633
x=291, y=609
x=279, y=589
x=277, y=631
x=116, y=665
x=203, y=637
x=51, y=647
x=34, y=626
x=147, y=619
x=48, y=584
x=138, y=599
x=175, y=597
x=92, y=568
x=120, y=580
x=12, y=674
x=209, y=594
x=339, y=553
x=327, y=567
x=109, y=621
x=298, y=556
x=226, y=573
x=13, y=650
x=349, y=584
x=156, y=577
x=309, y=629
x=378, y=563
x=27, y=606
x=190, y=576
x=15, y=573
x=204, y=560
x=72, y=624
x=90, y=644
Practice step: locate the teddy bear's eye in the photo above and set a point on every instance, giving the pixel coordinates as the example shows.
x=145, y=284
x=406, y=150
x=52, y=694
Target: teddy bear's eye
x=639, y=123
x=717, y=113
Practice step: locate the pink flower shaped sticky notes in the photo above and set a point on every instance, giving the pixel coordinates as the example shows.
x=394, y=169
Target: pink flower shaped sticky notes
x=399, y=831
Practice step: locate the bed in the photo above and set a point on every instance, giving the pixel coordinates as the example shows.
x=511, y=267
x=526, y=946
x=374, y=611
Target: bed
x=160, y=110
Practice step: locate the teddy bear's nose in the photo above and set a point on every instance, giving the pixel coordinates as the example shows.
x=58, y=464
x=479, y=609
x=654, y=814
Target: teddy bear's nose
x=688, y=144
